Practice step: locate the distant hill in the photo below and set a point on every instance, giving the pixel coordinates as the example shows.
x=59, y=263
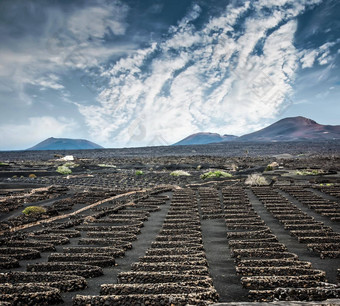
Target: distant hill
x=287, y=129
x=294, y=129
x=65, y=144
x=204, y=138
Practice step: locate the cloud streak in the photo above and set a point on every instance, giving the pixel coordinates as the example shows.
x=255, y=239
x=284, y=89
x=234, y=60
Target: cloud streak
x=322, y=55
x=227, y=76
x=64, y=43
x=150, y=81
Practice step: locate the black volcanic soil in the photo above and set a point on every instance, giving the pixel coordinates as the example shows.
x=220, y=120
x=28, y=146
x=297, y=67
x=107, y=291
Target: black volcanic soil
x=220, y=149
x=100, y=175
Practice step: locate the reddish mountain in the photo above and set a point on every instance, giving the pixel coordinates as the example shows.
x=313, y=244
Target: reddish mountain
x=294, y=129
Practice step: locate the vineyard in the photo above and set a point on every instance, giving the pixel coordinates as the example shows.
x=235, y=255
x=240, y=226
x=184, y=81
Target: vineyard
x=181, y=241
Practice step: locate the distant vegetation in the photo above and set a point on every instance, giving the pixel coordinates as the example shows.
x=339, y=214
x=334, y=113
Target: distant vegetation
x=71, y=165
x=271, y=166
x=308, y=172
x=34, y=210
x=180, y=173
x=214, y=174
x=256, y=179
x=3, y=164
x=139, y=172
x=32, y=175
x=64, y=170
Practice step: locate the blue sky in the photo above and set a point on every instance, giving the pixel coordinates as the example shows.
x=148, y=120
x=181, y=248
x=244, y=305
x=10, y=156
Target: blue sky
x=139, y=73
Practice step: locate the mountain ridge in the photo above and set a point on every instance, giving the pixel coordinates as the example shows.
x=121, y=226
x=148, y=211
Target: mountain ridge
x=294, y=129
x=297, y=128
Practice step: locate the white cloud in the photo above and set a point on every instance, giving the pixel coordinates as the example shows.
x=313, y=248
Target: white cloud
x=51, y=81
x=96, y=21
x=230, y=75
x=322, y=55
x=71, y=41
x=211, y=79
x=324, y=51
x=22, y=136
x=308, y=58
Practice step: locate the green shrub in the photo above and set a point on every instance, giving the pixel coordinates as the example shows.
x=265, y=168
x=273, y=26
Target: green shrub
x=256, y=180
x=64, y=170
x=139, y=172
x=180, y=173
x=71, y=165
x=272, y=166
x=4, y=164
x=214, y=174
x=308, y=172
x=34, y=210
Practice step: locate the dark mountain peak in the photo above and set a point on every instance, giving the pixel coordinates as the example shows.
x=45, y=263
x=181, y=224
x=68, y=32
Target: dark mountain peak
x=65, y=144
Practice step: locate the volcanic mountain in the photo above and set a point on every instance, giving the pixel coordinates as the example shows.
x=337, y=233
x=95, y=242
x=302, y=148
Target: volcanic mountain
x=287, y=129
x=204, y=138
x=294, y=129
x=65, y=144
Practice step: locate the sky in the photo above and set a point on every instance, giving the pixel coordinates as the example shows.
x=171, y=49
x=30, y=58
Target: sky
x=151, y=72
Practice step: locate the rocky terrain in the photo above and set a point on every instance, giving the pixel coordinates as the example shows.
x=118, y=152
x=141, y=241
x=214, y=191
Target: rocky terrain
x=187, y=225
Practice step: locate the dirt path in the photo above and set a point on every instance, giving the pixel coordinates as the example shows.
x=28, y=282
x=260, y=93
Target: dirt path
x=221, y=264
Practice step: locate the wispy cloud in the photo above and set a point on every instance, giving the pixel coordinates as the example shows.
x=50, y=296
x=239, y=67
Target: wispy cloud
x=75, y=40
x=322, y=55
x=24, y=135
x=97, y=20
x=226, y=77
x=231, y=74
